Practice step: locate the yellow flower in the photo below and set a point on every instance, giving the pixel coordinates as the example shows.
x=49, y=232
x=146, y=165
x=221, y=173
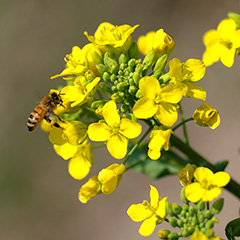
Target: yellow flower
x=67, y=138
x=114, y=38
x=76, y=63
x=157, y=101
x=80, y=163
x=158, y=41
x=201, y=236
x=111, y=177
x=208, y=185
x=89, y=190
x=206, y=116
x=151, y=214
x=221, y=44
x=114, y=130
x=81, y=92
x=188, y=73
x=186, y=174
x=159, y=137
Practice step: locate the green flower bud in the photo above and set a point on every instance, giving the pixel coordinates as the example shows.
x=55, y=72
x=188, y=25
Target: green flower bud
x=136, y=77
x=120, y=87
x=179, y=222
x=209, y=233
x=164, y=78
x=217, y=206
x=209, y=224
x=97, y=56
x=182, y=196
x=133, y=51
x=116, y=82
x=116, y=98
x=149, y=60
x=176, y=208
x=201, y=205
x=194, y=221
x=112, y=78
x=190, y=229
x=200, y=217
x=98, y=103
x=159, y=66
x=207, y=214
x=169, y=209
x=110, y=62
x=132, y=64
x=185, y=233
x=172, y=236
x=106, y=77
x=132, y=90
x=139, y=68
x=191, y=211
x=163, y=233
x=172, y=222
x=121, y=94
x=138, y=94
x=102, y=87
x=101, y=68
x=214, y=219
x=131, y=82
x=114, y=88
x=123, y=58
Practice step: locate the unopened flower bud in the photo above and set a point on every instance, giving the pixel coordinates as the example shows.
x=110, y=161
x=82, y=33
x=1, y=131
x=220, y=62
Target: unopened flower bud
x=207, y=214
x=106, y=77
x=173, y=236
x=149, y=60
x=172, y=222
x=163, y=233
x=125, y=108
x=133, y=51
x=123, y=58
x=110, y=62
x=159, y=66
x=120, y=86
x=132, y=90
x=164, y=78
x=136, y=77
x=169, y=209
x=101, y=68
x=176, y=208
x=201, y=205
x=209, y=224
x=97, y=56
x=182, y=196
x=217, y=206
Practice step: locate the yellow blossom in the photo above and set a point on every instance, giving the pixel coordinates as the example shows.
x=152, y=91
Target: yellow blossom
x=208, y=185
x=67, y=138
x=201, y=236
x=80, y=163
x=76, y=63
x=186, y=174
x=114, y=130
x=206, y=116
x=158, y=41
x=114, y=38
x=89, y=190
x=110, y=177
x=221, y=44
x=151, y=214
x=81, y=92
x=157, y=101
x=188, y=73
x=159, y=137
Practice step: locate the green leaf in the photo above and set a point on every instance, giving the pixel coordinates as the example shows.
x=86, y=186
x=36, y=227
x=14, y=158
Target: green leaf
x=169, y=163
x=232, y=229
x=221, y=165
x=235, y=17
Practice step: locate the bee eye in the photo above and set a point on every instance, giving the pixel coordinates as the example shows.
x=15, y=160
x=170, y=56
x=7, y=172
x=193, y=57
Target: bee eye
x=55, y=96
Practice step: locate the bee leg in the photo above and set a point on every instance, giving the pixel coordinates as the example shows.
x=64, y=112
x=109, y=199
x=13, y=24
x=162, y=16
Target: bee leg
x=51, y=122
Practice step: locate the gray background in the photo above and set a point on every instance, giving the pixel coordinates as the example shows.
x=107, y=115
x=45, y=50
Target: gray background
x=38, y=198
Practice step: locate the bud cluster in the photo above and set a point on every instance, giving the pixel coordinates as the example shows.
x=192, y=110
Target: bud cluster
x=190, y=219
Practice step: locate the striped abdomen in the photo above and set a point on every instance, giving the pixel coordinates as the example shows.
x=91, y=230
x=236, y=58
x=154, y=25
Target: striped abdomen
x=36, y=117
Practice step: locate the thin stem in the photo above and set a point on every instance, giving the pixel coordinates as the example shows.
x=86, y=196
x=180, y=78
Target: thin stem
x=184, y=125
x=136, y=145
x=136, y=163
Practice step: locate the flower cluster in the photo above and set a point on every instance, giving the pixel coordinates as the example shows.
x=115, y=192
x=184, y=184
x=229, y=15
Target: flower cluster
x=115, y=98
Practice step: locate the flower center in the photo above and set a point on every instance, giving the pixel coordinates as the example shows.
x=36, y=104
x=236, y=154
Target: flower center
x=226, y=43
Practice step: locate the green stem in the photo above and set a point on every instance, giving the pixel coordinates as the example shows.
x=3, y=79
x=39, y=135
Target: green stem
x=184, y=125
x=136, y=145
x=232, y=186
x=136, y=163
x=98, y=146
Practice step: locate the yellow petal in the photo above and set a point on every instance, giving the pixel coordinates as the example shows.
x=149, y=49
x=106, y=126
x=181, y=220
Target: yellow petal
x=227, y=57
x=161, y=211
x=145, y=108
x=137, y=212
x=79, y=167
x=154, y=197
x=194, y=192
x=203, y=175
x=221, y=179
x=173, y=93
x=148, y=226
x=117, y=146
x=149, y=87
x=167, y=114
x=98, y=132
x=130, y=129
x=108, y=180
x=195, y=92
x=110, y=113
x=65, y=150
x=211, y=194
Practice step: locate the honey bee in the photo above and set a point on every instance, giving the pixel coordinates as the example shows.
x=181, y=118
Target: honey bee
x=45, y=111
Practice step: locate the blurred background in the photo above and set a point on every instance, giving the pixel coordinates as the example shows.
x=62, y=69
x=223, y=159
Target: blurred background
x=38, y=198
